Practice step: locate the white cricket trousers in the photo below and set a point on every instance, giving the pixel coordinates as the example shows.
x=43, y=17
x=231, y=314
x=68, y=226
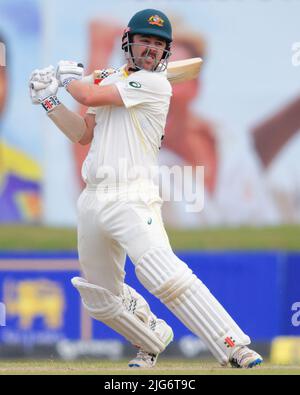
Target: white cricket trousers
x=114, y=221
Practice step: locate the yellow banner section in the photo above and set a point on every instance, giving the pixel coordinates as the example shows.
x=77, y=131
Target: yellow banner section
x=20, y=186
x=17, y=162
x=285, y=351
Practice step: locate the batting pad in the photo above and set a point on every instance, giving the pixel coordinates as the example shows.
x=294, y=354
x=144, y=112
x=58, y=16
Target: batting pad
x=170, y=279
x=129, y=315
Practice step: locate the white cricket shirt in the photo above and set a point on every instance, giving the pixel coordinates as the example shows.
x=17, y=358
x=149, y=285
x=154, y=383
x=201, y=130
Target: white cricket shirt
x=129, y=135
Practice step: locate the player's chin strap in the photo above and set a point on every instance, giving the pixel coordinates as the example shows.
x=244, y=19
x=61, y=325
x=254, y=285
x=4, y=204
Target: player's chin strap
x=133, y=69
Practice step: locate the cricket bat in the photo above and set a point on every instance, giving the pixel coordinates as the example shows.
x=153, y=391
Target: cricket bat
x=177, y=71
x=184, y=70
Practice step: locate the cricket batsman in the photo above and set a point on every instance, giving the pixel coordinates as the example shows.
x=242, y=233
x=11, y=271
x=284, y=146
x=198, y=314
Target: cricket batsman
x=120, y=214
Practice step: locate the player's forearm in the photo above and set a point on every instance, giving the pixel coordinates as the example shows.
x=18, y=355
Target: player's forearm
x=44, y=85
x=70, y=123
x=94, y=95
x=82, y=93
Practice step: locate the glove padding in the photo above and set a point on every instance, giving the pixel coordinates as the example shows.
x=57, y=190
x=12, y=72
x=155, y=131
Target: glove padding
x=67, y=71
x=42, y=84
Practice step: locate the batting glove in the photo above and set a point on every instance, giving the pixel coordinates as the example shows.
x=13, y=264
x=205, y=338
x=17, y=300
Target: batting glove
x=68, y=71
x=42, y=84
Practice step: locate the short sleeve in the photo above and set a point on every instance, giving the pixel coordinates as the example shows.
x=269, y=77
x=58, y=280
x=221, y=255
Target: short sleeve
x=144, y=87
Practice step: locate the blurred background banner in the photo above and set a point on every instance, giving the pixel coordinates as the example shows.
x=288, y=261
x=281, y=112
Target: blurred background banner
x=41, y=305
x=44, y=312
x=240, y=120
x=21, y=140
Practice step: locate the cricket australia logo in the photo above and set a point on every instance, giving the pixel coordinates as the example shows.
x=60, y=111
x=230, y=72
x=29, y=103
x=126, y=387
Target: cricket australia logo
x=156, y=20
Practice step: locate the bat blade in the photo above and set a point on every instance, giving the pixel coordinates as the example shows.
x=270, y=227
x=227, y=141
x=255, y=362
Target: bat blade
x=177, y=71
x=183, y=70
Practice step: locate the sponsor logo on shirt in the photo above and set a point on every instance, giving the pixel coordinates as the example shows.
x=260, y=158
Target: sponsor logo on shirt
x=135, y=84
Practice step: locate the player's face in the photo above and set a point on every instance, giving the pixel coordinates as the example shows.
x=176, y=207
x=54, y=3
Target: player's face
x=148, y=51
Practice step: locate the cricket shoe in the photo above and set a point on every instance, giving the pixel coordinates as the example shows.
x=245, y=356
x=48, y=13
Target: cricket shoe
x=145, y=359
x=243, y=357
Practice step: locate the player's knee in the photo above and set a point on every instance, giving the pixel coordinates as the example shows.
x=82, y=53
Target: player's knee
x=139, y=246
x=164, y=274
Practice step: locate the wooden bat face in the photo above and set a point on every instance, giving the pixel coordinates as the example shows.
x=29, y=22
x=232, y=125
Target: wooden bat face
x=177, y=71
x=183, y=70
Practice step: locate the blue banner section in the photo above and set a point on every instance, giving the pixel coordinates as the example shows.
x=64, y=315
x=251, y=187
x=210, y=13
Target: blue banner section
x=42, y=307
x=291, y=296
x=257, y=288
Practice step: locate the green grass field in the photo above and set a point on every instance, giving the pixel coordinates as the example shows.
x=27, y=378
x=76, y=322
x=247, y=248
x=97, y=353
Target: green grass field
x=164, y=367
x=245, y=238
